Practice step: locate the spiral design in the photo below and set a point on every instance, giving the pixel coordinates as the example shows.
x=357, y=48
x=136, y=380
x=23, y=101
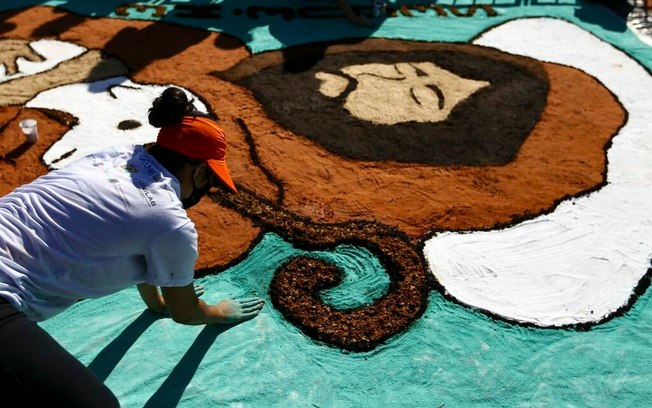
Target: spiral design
x=295, y=286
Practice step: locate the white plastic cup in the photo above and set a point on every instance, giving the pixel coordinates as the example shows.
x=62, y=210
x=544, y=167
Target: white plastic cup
x=29, y=128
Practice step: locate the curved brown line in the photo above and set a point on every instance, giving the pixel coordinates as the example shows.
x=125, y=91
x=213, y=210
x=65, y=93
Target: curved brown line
x=294, y=288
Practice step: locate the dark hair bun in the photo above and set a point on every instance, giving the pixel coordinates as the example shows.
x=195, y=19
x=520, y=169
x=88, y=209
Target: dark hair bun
x=169, y=108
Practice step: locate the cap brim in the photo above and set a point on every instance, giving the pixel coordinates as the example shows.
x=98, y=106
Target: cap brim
x=222, y=173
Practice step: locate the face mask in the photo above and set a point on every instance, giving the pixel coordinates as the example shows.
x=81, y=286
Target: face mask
x=195, y=197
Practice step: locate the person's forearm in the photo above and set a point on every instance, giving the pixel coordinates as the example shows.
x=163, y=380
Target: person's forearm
x=186, y=308
x=152, y=298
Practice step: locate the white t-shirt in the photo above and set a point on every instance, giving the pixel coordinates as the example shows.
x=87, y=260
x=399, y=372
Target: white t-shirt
x=105, y=222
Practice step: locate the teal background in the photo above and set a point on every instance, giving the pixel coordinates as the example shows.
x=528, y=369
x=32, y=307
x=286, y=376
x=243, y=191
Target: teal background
x=452, y=356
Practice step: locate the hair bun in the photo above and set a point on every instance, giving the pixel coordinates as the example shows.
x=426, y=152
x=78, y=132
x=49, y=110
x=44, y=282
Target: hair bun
x=169, y=108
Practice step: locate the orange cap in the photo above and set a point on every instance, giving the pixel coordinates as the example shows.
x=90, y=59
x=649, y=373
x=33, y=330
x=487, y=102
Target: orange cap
x=199, y=138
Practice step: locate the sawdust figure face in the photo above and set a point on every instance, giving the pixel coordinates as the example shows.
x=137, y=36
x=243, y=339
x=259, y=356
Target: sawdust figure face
x=427, y=136
x=422, y=107
x=401, y=92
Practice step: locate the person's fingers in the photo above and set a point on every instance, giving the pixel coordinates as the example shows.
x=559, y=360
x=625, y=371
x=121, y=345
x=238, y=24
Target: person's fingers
x=199, y=289
x=250, y=315
x=251, y=302
x=248, y=300
x=252, y=308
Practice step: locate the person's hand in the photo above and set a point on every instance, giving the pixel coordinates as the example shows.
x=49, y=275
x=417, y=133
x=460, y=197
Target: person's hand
x=239, y=310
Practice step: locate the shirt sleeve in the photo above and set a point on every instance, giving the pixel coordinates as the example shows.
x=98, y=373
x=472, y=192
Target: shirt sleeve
x=171, y=258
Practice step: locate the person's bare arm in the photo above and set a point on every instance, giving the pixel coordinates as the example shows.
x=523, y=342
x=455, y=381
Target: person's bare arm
x=186, y=308
x=152, y=298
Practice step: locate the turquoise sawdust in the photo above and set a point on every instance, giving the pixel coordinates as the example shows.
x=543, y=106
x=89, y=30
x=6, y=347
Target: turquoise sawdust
x=452, y=355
